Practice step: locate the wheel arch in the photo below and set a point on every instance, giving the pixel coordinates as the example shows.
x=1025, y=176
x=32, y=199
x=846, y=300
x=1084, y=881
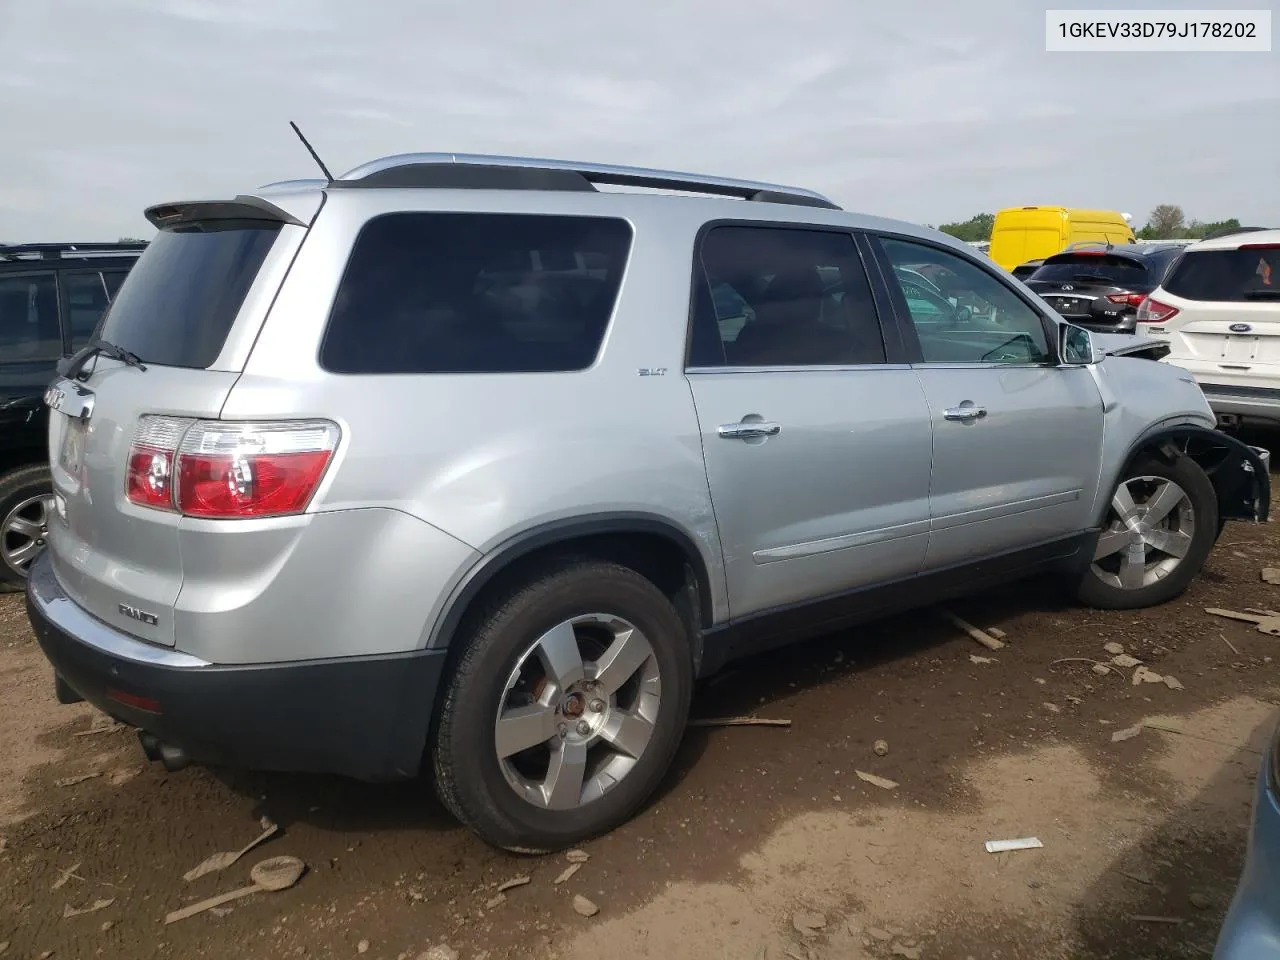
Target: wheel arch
x=1238, y=474
x=652, y=545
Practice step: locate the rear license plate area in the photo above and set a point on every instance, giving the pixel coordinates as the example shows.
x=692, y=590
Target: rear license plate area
x=1240, y=348
x=71, y=452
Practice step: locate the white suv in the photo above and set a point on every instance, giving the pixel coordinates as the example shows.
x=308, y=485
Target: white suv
x=1219, y=310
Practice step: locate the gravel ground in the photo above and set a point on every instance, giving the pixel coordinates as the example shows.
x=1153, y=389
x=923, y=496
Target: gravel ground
x=764, y=842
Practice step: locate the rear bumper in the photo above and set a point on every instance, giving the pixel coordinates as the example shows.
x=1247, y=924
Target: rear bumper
x=364, y=717
x=1254, y=403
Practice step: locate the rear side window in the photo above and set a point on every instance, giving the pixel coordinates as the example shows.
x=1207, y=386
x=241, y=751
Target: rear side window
x=179, y=301
x=476, y=293
x=781, y=297
x=29, y=328
x=1227, y=275
x=1086, y=268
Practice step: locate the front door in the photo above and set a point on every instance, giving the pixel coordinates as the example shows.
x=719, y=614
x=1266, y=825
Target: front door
x=817, y=449
x=1017, y=439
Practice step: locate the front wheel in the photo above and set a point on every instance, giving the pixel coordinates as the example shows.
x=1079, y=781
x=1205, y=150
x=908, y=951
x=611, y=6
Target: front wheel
x=1161, y=524
x=566, y=707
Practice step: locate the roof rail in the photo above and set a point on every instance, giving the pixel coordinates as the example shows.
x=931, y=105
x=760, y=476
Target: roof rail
x=54, y=251
x=481, y=172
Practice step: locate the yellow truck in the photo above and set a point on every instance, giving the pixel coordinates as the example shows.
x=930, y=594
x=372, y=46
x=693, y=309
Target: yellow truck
x=1033, y=233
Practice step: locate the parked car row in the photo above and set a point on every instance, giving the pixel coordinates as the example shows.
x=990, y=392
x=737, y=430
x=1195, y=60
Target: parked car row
x=567, y=450
x=52, y=297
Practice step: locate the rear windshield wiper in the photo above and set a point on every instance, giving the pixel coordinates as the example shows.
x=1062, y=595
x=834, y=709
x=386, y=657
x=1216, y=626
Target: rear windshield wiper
x=72, y=365
x=1263, y=295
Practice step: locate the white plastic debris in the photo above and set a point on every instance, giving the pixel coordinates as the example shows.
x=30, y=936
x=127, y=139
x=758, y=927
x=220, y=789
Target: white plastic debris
x=1004, y=846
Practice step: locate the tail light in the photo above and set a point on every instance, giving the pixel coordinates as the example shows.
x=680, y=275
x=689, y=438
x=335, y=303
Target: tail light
x=228, y=469
x=1128, y=299
x=149, y=477
x=1153, y=311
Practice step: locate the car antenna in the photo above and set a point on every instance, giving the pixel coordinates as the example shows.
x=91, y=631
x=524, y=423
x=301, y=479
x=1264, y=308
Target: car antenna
x=311, y=150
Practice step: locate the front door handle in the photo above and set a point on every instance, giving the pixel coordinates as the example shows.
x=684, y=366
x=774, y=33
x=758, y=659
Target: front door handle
x=749, y=430
x=966, y=412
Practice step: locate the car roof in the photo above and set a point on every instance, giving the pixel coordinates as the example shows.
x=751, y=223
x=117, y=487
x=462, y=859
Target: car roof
x=480, y=182
x=1235, y=241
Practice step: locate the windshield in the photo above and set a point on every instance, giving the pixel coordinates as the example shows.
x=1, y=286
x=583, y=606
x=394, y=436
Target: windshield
x=1227, y=275
x=1119, y=271
x=179, y=302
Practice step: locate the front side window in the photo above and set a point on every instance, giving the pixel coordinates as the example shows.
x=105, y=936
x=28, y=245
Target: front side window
x=29, y=328
x=961, y=313
x=476, y=293
x=771, y=296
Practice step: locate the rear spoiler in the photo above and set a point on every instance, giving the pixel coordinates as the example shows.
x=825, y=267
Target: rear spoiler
x=241, y=208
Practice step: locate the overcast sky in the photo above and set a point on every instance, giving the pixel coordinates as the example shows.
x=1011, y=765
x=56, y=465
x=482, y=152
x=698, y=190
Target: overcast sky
x=924, y=111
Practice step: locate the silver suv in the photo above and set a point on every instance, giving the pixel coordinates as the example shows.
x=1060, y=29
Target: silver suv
x=465, y=463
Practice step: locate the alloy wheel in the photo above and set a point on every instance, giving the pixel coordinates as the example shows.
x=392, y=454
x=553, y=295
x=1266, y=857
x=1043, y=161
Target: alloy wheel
x=578, y=711
x=1151, y=526
x=24, y=532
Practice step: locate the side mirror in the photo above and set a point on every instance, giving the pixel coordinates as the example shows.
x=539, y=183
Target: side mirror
x=1076, y=347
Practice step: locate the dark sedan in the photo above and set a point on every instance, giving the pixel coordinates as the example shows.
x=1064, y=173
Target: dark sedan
x=1100, y=287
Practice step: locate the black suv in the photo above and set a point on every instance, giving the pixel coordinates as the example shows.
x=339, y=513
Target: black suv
x=1100, y=287
x=52, y=296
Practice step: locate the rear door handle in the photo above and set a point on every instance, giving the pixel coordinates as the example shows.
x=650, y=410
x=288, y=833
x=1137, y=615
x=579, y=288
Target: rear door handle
x=965, y=412
x=749, y=430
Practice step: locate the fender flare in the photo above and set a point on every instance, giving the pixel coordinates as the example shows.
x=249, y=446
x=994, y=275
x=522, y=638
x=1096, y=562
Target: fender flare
x=1236, y=470
x=483, y=572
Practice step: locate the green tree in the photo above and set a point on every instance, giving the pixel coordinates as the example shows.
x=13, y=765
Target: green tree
x=1166, y=222
x=1196, y=230
x=975, y=228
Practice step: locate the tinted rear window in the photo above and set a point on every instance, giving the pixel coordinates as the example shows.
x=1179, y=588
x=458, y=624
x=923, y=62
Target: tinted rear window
x=179, y=301
x=1113, y=270
x=476, y=293
x=1227, y=275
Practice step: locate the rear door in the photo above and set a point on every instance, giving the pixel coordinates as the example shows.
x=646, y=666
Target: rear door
x=1229, y=301
x=188, y=310
x=1017, y=440
x=815, y=435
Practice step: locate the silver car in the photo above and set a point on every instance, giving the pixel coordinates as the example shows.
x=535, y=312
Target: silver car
x=464, y=464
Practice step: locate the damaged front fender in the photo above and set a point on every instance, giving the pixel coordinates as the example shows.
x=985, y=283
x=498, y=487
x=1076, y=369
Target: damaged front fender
x=1240, y=474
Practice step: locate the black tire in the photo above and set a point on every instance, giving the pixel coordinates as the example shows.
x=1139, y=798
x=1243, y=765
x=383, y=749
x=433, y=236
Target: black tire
x=469, y=776
x=1187, y=474
x=17, y=487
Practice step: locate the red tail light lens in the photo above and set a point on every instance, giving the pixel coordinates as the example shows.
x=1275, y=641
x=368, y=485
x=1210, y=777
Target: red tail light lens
x=1128, y=299
x=225, y=469
x=1153, y=311
x=232, y=470
x=149, y=477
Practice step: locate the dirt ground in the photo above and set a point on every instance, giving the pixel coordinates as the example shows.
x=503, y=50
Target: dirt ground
x=763, y=843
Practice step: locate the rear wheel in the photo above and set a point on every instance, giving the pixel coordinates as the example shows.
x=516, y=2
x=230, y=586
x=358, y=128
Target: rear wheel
x=1161, y=525
x=566, y=707
x=26, y=500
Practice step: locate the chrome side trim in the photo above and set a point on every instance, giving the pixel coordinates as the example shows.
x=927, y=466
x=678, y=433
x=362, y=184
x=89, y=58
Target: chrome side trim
x=44, y=591
x=826, y=545
x=798, y=368
x=1009, y=509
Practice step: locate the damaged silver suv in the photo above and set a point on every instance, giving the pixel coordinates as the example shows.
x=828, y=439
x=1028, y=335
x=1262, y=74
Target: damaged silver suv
x=465, y=464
